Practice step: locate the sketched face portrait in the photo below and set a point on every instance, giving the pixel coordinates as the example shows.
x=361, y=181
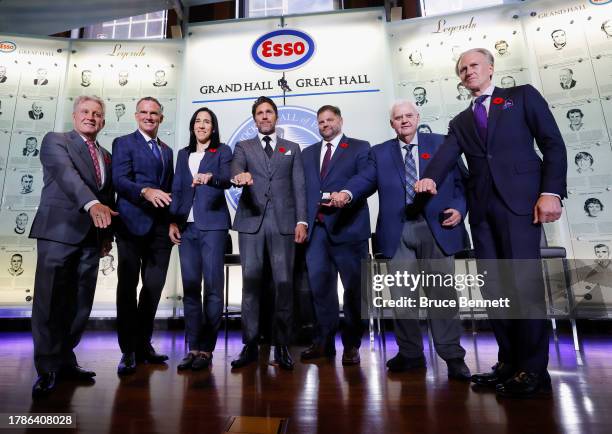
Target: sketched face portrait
x=593, y=207
x=27, y=184
x=21, y=222
x=15, y=268
x=559, y=38
x=583, y=162
x=507, y=82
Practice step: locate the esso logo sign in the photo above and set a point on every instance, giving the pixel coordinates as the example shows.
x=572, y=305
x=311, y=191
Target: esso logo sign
x=7, y=46
x=283, y=50
x=600, y=2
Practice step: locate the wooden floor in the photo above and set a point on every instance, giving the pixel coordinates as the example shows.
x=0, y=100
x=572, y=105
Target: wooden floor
x=315, y=398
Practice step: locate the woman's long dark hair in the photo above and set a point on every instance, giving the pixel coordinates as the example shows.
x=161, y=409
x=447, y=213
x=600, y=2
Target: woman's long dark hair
x=214, y=135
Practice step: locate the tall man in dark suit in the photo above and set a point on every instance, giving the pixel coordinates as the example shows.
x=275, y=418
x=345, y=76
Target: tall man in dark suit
x=337, y=238
x=510, y=193
x=72, y=231
x=408, y=230
x=142, y=176
x=270, y=218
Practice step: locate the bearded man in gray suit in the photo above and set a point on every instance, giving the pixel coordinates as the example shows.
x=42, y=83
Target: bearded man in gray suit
x=271, y=218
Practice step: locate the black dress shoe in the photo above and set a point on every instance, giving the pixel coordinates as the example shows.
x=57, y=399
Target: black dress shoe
x=247, y=356
x=350, y=356
x=127, y=365
x=44, y=385
x=282, y=358
x=458, y=370
x=525, y=385
x=77, y=373
x=500, y=373
x=316, y=352
x=401, y=363
x=186, y=362
x=202, y=361
x=149, y=355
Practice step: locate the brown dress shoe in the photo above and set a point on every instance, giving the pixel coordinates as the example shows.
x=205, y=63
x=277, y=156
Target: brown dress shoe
x=350, y=356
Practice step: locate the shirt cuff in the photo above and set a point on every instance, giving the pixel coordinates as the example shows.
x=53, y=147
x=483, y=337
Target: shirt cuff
x=551, y=194
x=90, y=204
x=303, y=223
x=350, y=195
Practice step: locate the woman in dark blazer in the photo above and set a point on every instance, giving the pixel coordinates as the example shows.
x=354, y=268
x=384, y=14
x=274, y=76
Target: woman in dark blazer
x=200, y=226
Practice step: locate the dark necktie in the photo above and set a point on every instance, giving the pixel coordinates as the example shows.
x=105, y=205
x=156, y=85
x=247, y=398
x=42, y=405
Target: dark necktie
x=158, y=156
x=91, y=145
x=324, y=168
x=411, y=174
x=480, y=115
x=326, y=160
x=268, y=149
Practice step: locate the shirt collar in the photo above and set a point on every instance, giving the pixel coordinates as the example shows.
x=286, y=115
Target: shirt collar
x=272, y=136
x=146, y=136
x=414, y=141
x=488, y=91
x=335, y=141
x=85, y=139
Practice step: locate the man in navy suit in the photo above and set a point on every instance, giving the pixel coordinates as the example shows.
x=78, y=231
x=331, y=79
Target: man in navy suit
x=337, y=238
x=510, y=193
x=72, y=231
x=142, y=176
x=408, y=230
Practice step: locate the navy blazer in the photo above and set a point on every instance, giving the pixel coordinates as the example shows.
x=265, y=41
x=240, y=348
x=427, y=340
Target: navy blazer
x=386, y=173
x=134, y=168
x=351, y=223
x=517, y=116
x=210, y=210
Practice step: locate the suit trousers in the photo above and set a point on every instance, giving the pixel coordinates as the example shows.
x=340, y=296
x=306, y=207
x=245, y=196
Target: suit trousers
x=202, y=254
x=64, y=288
x=418, y=243
x=278, y=250
x=145, y=257
x=325, y=260
x=523, y=343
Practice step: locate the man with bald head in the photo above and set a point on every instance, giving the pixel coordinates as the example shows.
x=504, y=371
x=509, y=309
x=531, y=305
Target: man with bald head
x=510, y=193
x=408, y=230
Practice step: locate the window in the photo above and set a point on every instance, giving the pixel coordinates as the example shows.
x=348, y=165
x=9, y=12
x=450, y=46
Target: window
x=440, y=7
x=147, y=26
x=266, y=8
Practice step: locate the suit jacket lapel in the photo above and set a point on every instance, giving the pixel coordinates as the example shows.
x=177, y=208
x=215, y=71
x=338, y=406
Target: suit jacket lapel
x=77, y=143
x=494, y=112
x=424, y=147
x=316, y=163
x=398, y=160
x=258, y=153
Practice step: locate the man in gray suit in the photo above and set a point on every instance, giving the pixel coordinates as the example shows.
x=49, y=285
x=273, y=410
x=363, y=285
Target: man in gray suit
x=270, y=218
x=72, y=231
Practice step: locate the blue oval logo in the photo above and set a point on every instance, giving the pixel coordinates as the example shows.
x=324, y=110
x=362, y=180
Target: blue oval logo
x=298, y=124
x=282, y=50
x=7, y=46
x=599, y=2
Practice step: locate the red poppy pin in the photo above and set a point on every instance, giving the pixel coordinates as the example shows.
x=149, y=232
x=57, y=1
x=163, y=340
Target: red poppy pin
x=107, y=159
x=212, y=150
x=344, y=145
x=498, y=100
x=425, y=156
x=282, y=149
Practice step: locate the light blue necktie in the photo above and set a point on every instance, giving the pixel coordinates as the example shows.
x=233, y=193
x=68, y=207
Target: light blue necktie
x=411, y=174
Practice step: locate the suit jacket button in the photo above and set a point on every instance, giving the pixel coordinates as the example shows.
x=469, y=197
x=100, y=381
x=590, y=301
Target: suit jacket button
x=490, y=157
